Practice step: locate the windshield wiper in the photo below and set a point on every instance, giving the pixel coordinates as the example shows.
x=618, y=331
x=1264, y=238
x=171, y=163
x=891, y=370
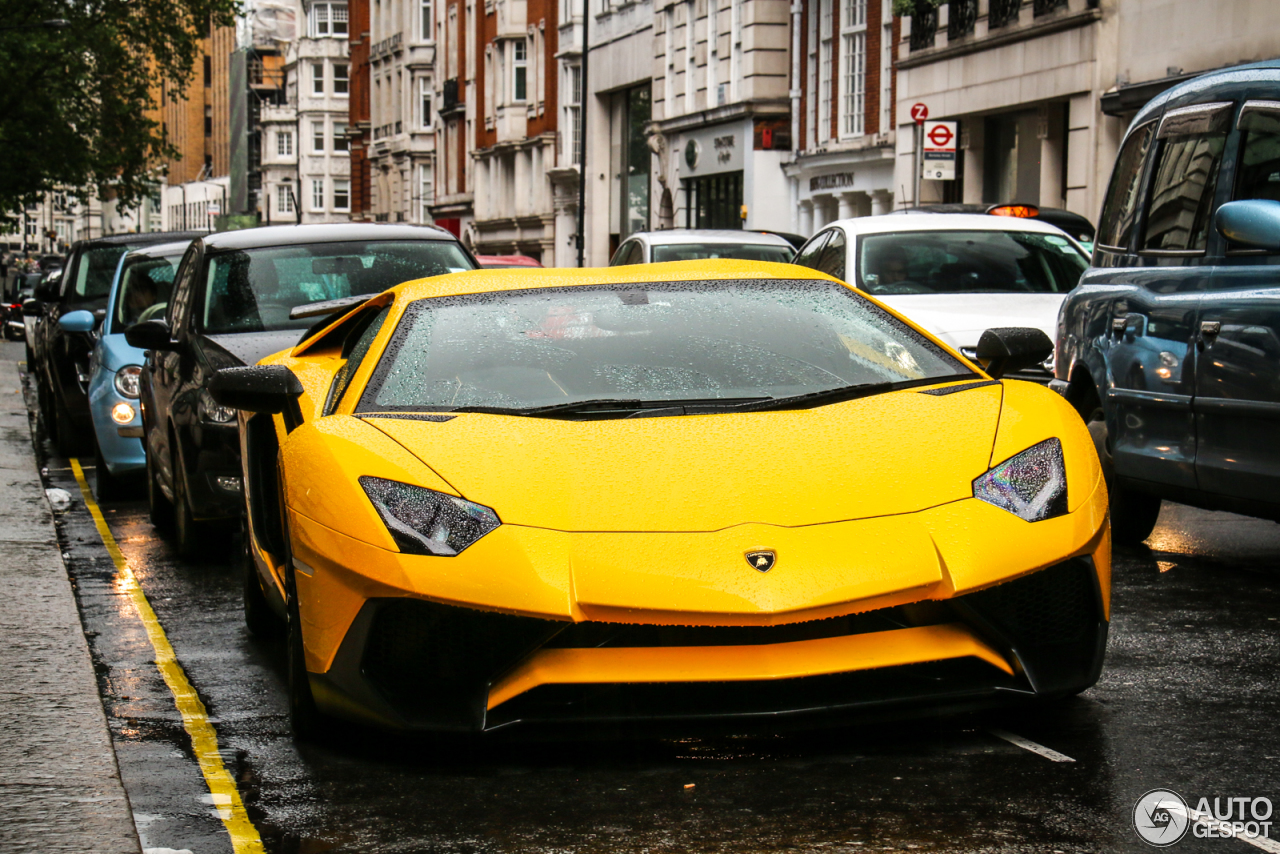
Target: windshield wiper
x=554, y=408
x=795, y=401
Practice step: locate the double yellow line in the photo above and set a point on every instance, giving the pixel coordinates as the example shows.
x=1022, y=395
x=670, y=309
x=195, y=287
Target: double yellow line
x=204, y=739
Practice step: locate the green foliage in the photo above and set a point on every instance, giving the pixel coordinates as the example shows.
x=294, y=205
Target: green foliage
x=903, y=8
x=75, y=99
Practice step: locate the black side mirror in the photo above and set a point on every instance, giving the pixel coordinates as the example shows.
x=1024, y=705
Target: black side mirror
x=1007, y=349
x=31, y=307
x=150, y=335
x=272, y=389
x=47, y=291
x=1252, y=223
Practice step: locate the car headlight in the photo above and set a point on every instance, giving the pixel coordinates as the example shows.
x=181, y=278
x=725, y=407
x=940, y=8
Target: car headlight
x=1031, y=485
x=212, y=412
x=425, y=522
x=129, y=381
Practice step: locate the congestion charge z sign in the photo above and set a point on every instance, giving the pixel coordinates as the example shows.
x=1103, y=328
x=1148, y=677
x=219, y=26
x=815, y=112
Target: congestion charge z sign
x=939, y=162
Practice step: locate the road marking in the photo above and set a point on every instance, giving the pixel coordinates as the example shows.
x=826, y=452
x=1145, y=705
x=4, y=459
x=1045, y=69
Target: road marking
x=204, y=739
x=1028, y=744
x=1224, y=828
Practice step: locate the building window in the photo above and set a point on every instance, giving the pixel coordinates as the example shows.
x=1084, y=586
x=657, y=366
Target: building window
x=284, y=143
x=317, y=137
x=824, y=68
x=519, y=69
x=340, y=79
x=342, y=195
x=812, y=59
x=427, y=20
x=328, y=19
x=317, y=194
x=424, y=103
x=340, y=141
x=284, y=199
x=424, y=193
x=853, y=61
x=573, y=112
x=317, y=78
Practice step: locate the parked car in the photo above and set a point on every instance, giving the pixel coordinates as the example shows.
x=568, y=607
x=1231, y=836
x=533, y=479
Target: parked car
x=235, y=302
x=688, y=244
x=140, y=290
x=60, y=359
x=691, y=490
x=503, y=262
x=956, y=275
x=1073, y=224
x=1170, y=346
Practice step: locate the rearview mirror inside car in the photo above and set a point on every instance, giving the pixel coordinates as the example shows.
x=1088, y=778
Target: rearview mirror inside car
x=1006, y=349
x=272, y=389
x=1250, y=223
x=78, y=321
x=149, y=335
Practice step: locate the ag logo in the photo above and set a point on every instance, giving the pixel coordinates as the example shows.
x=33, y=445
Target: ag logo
x=762, y=560
x=1161, y=817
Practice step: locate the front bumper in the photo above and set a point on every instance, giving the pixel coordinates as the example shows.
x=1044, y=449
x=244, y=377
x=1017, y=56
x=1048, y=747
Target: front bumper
x=1007, y=610
x=121, y=444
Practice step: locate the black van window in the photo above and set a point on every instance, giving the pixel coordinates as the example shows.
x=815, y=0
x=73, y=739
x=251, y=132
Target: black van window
x=1186, y=175
x=1119, y=210
x=1258, y=175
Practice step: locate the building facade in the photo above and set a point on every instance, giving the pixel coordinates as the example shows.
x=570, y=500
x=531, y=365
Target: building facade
x=843, y=111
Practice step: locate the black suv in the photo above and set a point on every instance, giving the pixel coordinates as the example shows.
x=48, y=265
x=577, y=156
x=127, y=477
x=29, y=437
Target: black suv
x=237, y=297
x=60, y=359
x=1170, y=346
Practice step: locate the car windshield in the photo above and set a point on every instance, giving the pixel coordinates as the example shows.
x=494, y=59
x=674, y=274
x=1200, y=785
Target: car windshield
x=96, y=269
x=689, y=341
x=967, y=262
x=252, y=290
x=146, y=284
x=739, y=251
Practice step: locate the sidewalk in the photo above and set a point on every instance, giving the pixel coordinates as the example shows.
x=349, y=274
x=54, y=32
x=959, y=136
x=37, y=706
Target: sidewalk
x=61, y=790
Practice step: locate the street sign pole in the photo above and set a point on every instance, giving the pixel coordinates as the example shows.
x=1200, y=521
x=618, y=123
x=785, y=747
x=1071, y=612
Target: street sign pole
x=919, y=112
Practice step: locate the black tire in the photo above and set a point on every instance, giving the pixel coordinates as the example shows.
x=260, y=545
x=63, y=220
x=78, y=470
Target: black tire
x=45, y=401
x=188, y=534
x=159, y=507
x=258, y=616
x=107, y=487
x=309, y=723
x=67, y=442
x=1133, y=514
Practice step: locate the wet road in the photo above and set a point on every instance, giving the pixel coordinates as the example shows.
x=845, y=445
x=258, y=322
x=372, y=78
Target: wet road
x=1187, y=701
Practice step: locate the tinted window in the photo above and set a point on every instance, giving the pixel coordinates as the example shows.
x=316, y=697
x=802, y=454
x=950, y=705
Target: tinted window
x=1258, y=170
x=810, y=253
x=1119, y=210
x=252, y=290
x=648, y=342
x=1186, y=175
x=146, y=284
x=96, y=269
x=739, y=251
x=959, y=262
x=833, y=255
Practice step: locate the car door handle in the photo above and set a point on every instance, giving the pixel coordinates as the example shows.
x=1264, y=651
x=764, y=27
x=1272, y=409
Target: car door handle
x=1210, y=327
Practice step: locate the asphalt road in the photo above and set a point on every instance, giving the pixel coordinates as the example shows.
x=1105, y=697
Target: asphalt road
x=1187, y=701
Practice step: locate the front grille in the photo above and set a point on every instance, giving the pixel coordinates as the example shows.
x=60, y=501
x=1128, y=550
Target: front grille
x=1055, y=605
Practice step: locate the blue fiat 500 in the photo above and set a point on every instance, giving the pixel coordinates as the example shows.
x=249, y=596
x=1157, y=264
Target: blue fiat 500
x=140, y=291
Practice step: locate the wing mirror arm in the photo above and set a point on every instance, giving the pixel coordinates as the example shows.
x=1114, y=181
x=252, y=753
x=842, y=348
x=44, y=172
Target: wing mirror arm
x=1006, y=349
x=271, y=389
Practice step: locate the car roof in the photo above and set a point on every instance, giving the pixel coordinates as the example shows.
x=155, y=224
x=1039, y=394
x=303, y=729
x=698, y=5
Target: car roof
x=485, y=281
x=949, y=222
x=293, y=235
x=710, y=235
x=159, y=250
x=143, y=238
x=1254, y=80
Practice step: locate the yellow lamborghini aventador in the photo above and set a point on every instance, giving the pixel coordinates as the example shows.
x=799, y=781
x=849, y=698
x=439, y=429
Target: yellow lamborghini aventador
x=673, y=491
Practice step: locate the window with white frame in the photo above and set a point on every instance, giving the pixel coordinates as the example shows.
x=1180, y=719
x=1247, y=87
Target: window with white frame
x=853, y=66
x=424, y=103
x=573, y=112
x=824, y=68
x=424, y=193
x=340, y=140
x=317, y=78
x=342, y=195
x=811, y=103
x=284, y=199
x=328, y=19
x=341, y=80
x=317, y=137
x=426, y=11
x=317, y=194
x=284, y=143
x=519, y=69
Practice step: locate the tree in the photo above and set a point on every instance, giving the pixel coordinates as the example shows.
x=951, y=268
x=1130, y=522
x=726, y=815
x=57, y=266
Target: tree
x=78, y=86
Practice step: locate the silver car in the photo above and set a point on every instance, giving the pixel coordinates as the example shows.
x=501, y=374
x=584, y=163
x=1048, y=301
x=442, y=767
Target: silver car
x=689, y=244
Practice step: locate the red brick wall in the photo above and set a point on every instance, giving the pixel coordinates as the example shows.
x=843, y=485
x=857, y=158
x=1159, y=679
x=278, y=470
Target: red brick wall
x=871, y=104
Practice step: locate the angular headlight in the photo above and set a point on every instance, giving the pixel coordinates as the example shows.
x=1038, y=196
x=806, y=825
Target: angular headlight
x=1031, y=485
x=426, y=522
x=129, y=381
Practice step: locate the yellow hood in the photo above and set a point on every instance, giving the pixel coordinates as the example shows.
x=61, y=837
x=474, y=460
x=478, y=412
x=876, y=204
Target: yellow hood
x=878, y=456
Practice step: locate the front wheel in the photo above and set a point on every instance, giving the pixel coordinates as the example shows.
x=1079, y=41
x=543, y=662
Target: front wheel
x=159, y=508
x=258, y=616
x=309, y=723
x=1133, y=514
x=108, y=486
x=188, y=533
